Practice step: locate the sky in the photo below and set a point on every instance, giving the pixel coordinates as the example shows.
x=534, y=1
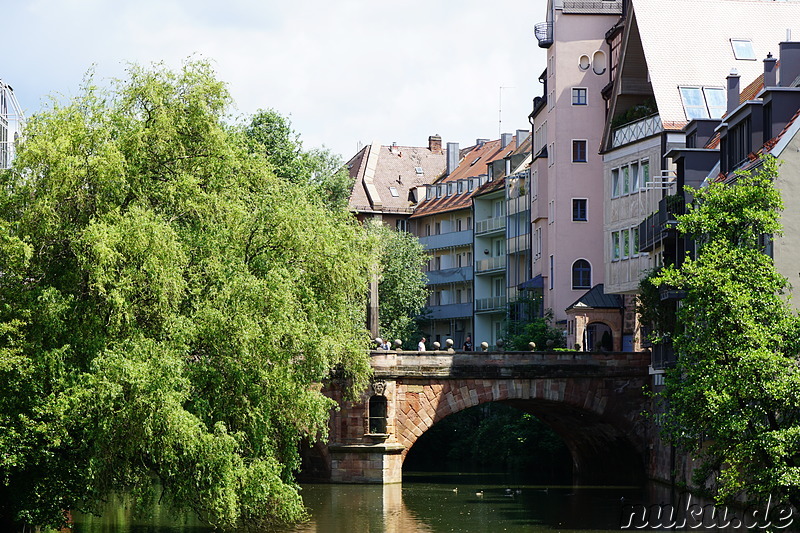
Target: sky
x=346, y=72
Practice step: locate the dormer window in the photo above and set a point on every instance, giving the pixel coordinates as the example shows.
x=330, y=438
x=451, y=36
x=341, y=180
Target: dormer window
x=743, y=49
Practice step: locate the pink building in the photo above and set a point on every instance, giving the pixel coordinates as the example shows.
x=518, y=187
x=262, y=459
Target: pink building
x=567, y=171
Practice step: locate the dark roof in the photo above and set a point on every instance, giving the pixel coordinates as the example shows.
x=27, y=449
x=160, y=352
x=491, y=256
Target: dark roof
x=596, y=298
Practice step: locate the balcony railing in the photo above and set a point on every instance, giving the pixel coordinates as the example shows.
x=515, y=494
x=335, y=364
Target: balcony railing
x=490, y=265
x=593, y=6
x=447, y=240
x=636, y=130
x=490, y=225
x=450, y=275
x=517, y=244
x=495, y=303
x=544, y=34
x=437, y=312
x=655, y=228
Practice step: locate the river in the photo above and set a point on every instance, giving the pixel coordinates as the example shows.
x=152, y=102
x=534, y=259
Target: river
x=423, y=503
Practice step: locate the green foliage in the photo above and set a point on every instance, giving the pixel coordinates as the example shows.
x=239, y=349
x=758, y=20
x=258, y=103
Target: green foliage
x=168, y=308
x=324, y=172
x=734, y=398
x=635, y=113
x=658, y=316
x=525, y=326
x=402, y=287
x=493, y=437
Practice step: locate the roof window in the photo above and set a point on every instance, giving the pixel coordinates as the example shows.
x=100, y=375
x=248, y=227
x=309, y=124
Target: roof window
x=703, y=102
x=743, y=49
x=476, y=160
x=419, y=171
x=394, y=192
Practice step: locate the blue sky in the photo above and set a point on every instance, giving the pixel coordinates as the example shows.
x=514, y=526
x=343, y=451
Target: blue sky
x=345, y=71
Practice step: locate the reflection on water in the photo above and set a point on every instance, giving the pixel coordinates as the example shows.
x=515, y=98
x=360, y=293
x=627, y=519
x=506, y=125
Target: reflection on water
x=424, y=503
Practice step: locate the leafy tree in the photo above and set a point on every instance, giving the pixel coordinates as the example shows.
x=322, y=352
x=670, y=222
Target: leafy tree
x=733, y=399
x=524, y=325
x=168, y=308
x=271, y=134
x=402, y=286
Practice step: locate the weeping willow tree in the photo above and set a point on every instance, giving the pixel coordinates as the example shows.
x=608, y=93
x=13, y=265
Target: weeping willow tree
x=168, y=308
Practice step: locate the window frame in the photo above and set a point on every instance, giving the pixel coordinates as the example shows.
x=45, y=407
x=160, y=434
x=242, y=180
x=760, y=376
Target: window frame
x=583, y=273
x=576, y=150
x=576, y=209
x=580, y=96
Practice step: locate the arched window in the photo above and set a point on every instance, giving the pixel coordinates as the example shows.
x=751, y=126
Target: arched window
x=377, y=414
x=599, y=62
x=581, y=274
x=584, y=62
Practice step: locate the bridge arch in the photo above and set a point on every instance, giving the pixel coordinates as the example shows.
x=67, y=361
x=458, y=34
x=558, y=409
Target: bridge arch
x=602, y=449
x=593, y=401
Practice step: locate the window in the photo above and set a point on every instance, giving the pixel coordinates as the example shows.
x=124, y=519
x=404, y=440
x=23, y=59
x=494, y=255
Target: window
x=581, y=274
x=626, y=243
x=498, y=208
x=693, y=103
x=615, y=183
x=402, y=224
x=579, y=96
x=579, y=210
x=743, y=49
x=626, y=180
x=552, y=271
x=645, y=172
x=438, y=264
x=716, y=101
x=579, y=151
x=427, y=230
x=437, y=228
x=469, y=258
x=469, y=295
x=394, y=192
x=584, y=62
x=551, y=212
x=377, y=415
x=635, y=241
x=458, y=296
x=469, y=223
x=458, y=259
x=458, y=224
x=615, y=246
x=460, y=186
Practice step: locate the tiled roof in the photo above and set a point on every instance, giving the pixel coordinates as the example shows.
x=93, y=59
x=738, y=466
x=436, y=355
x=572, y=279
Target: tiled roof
x=472, y=164
x=687, y=42
x=380, y=172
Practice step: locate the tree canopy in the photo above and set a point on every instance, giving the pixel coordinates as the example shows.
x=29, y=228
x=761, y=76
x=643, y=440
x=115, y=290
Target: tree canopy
x=168, y=308
x=733, y=399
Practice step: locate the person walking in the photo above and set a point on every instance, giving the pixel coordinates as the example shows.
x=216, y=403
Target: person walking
x=421, y=345
x=468, y=344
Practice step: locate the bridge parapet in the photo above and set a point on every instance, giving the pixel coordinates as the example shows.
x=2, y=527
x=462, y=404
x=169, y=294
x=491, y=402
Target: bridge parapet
x=508, y=365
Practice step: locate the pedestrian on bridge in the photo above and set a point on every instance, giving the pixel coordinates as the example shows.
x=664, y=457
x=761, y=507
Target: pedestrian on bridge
x=421, y=345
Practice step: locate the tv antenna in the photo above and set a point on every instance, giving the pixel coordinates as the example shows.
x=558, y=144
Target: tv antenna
x=500, y=110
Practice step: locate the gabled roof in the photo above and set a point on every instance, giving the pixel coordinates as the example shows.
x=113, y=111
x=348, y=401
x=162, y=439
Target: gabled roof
x=473, y=164
x=688, y=43
x=596, y=298
x=380, y=172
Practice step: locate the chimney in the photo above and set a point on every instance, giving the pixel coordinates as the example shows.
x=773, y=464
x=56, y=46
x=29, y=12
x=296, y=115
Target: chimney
x=435, y=144
x=733, y=90
x=790, y=62
x=770, y=75
x=480, y=142
x=505, y=139
x=521, y=136
x=452, y=157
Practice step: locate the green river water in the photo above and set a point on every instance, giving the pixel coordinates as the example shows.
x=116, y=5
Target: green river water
x=423, y=503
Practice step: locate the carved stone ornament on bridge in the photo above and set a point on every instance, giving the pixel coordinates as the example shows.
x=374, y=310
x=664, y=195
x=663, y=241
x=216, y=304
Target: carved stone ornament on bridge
x=379, y=387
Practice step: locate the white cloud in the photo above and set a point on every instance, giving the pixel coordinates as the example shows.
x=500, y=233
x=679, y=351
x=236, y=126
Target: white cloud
x=345, y=71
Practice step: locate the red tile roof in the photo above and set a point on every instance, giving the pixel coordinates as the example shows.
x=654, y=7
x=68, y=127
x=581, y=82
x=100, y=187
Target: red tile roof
x=472, y=164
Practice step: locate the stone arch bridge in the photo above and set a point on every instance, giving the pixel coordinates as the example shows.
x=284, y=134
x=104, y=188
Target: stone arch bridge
x=594, y=401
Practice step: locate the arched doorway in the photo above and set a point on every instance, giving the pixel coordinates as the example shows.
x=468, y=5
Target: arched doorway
x=598, y=337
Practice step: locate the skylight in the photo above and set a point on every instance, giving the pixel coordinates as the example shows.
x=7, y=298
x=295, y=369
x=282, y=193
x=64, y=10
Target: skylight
x=418, y=170
x=703, y=102
x=394, y=192
x=743, y=49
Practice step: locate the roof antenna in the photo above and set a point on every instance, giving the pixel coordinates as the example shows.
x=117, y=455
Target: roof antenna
x=500, y=110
